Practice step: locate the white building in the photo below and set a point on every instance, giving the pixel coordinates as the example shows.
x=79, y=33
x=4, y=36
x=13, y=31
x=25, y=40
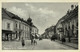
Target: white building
x=13, y=27
x=7, y=25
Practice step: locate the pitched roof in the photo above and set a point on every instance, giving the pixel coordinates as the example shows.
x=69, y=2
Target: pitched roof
x=69, y=16
x=72, y=14
x=11, y=15
x=7, y=12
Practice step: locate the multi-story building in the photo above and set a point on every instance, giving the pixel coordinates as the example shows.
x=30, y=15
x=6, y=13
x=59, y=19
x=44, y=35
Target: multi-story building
x=21, y=28
x=67, y=26
x=25, y=30
x=58, y=29
x=70, y=24
x=7, y=25
x=14, y=27
x=49, y=32
x=17, y=26
x=34, y=31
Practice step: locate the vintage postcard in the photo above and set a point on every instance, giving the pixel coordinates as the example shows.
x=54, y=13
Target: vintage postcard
x=39, y=25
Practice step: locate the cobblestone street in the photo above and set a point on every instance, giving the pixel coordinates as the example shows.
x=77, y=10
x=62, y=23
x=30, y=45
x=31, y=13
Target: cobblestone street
x=44, y=44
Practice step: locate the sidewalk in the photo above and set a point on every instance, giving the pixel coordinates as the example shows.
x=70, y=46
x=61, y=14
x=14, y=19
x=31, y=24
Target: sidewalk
x=16, y=45
x=69, y=44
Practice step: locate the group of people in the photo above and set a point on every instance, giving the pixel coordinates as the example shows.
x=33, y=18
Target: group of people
x=33, y=41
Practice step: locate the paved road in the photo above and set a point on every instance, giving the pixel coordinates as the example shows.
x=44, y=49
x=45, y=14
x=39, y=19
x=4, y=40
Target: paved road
x=51, y=45
x=44, y=44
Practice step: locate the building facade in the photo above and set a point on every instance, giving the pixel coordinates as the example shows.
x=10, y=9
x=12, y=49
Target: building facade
x=59, y=31
x=49, y=32
x=67, y=26
x=7, y=26
x=70, y=25
x=14, y=27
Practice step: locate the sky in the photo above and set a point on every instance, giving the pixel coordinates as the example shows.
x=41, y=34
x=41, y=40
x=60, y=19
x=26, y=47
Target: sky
x=43, y=14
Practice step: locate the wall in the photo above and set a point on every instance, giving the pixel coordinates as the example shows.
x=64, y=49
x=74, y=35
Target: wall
x=4, y=24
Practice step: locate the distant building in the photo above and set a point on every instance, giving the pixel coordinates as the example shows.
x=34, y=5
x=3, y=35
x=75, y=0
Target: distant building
x=70, y=25
x=17, y=27
x=59, y=31
x=43, y=35
x=49, y=32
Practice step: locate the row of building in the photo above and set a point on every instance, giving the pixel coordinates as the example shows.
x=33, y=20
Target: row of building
x=49, y=32
x=15, y=28
x=67, y=26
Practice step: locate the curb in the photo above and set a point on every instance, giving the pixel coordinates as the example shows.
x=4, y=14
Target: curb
x=70, y=46
x=67, y=45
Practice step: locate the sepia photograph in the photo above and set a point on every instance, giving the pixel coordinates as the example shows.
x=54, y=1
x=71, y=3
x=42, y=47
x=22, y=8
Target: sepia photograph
x=39, y=26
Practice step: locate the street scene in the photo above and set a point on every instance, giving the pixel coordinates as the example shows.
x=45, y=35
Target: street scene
x=39, y=26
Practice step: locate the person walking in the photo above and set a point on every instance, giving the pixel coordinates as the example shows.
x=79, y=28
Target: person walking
x=35, y=41
x=32, y=37
x=63, y=40
x=23, y=42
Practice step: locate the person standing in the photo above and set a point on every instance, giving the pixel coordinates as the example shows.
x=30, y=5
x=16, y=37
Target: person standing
x=63, y=39
x=23, y=42
x=32, y=37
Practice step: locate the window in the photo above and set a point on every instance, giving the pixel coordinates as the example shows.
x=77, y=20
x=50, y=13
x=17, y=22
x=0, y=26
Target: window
x=19, y=26
x=16, y=25
x=16, y=34
x=8, y=25
x=25, y=27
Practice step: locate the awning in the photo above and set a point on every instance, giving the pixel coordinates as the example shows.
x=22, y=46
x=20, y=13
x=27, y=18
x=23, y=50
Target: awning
x=8, y=31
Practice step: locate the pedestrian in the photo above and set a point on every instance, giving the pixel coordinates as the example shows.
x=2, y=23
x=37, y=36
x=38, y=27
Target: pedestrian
x=23, y=42
x=63, y=40
x=32, y=39
x=35, y=41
